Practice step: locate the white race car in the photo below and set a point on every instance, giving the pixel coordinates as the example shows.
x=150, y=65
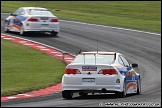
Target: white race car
x=32, y=19
x=100, y=72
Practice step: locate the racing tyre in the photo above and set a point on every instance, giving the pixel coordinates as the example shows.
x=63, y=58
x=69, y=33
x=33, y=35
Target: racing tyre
x=123, y=93
x=6, y=27
x=22, y=32
x=139, y=86
x=54, y=33
x=67, y=94
x=83, y=94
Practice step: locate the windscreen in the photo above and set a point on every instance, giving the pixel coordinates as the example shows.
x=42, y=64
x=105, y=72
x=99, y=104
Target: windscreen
x=94, y=59
x=39, y=12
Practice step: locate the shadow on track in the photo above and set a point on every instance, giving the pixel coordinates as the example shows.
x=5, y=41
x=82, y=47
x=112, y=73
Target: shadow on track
x=98, y=96
x=35, y=35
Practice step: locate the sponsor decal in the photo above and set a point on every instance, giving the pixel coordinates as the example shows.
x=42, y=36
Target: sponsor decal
x=89, y=68
x=129, y=73
x=16, y=27
x=131, y=85
x=133, y=71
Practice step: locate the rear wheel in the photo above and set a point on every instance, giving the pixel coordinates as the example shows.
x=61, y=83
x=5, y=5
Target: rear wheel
x=6, y=27
x=123, y=93
x=67, y=94
x=54, y=33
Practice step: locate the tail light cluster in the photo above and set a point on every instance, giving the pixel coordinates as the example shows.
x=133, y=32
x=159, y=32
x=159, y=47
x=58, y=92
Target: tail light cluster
x=36, y=20
x=103, y=71
x=108, y=71
x=33, y=19
x=54, y=20
x=71, y=71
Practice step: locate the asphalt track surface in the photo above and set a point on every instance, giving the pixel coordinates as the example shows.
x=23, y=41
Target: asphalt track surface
x=143, y=48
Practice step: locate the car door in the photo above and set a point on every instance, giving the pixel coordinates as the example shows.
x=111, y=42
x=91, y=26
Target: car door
x=14, y=20
x=17, y=18
x=129, y=75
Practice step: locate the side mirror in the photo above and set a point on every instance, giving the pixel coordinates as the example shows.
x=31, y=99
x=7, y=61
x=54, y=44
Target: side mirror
x=134, y=65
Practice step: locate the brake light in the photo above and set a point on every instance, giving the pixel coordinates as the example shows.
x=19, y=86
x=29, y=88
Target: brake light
x=54, y=20
x=71, y=71
x=108, y=71
x=33, y=20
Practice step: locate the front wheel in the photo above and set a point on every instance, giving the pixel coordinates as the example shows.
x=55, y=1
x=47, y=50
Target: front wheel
x=123, y=93
x=67, y=94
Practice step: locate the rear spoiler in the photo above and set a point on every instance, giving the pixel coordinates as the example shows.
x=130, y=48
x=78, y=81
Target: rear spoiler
x=111, y=53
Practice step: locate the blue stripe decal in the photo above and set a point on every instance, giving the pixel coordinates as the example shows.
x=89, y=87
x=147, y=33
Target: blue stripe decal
x=21, y=19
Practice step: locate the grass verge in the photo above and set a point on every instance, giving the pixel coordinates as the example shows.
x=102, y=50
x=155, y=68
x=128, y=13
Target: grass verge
x=141, y=15
x=25, y=69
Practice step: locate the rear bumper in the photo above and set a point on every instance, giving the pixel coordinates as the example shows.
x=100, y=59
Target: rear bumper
x=39, y=27
x=99, y=82
x=42, y=30
x=96, y=88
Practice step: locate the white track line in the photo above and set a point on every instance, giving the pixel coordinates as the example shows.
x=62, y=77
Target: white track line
x=113, y=27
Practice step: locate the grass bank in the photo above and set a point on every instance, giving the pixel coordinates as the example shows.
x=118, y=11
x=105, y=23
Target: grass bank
x=141, y=15
x=26, y=69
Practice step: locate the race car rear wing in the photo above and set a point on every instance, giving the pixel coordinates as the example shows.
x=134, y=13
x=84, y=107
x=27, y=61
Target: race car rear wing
x=98, y=53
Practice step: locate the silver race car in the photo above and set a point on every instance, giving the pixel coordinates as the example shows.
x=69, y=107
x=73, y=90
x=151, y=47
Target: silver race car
x=100, y=72
x=32, y=19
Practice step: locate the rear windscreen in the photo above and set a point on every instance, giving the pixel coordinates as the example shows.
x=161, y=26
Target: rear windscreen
x=94, y=59
x=39, y=12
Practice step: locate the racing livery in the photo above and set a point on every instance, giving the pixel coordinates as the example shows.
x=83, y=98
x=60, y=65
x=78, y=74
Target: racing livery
x=100, y=72
x=32, y=19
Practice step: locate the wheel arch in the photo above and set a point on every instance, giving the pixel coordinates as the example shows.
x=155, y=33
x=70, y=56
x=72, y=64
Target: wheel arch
x=7, y=21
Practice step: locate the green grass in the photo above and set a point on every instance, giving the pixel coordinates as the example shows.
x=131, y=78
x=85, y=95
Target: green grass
x=141, y=15
x=25, y=69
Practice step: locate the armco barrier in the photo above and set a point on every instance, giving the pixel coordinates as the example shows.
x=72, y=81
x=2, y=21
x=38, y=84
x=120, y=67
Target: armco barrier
x=56, y=53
